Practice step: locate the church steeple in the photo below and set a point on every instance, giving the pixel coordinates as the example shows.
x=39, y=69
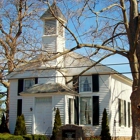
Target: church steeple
x=53, y=38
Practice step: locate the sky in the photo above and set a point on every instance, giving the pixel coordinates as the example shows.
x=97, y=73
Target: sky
x=122, y=68
x=116, y=59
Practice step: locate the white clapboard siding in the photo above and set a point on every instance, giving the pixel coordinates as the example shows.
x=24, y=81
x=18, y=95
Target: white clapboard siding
x=60, y=44
x=13, y=105
x=58, y=102
x=60, y=78
x=49, y=44
x=27, y=103
x=120, y=89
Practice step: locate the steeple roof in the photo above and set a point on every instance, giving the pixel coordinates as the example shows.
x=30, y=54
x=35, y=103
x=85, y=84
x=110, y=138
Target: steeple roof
x=56, y=10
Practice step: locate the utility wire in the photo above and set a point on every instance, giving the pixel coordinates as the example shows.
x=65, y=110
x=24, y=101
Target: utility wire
x=111, y=64
x=84, y=47
x=108, y=73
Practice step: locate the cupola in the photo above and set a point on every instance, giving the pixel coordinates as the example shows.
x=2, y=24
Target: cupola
x=53, y=20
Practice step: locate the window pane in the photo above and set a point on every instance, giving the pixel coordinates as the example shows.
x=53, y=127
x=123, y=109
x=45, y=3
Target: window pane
x=28, y=83
x=85, y=110
x=122, y=112
x=129, y=115
x=85, y=83
x=71, y=110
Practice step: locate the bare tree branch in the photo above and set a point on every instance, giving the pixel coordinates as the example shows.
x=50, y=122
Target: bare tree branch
x=94, y=64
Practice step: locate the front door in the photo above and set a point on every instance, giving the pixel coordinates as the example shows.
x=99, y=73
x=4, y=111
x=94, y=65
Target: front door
x=43, y=114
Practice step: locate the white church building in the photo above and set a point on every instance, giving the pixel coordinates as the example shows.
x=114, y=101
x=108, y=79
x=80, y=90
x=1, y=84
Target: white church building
x=81, y=99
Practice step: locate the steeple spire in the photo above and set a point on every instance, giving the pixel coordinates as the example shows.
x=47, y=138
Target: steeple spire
x=56, y=10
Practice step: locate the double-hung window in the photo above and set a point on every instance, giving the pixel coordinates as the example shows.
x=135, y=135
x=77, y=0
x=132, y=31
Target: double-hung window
x=85, y=83
x=86, y=110
x=122, y=112
x=89, y=110
x=28, y=83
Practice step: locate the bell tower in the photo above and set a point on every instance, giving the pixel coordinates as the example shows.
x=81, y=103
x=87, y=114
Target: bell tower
x=53, y=38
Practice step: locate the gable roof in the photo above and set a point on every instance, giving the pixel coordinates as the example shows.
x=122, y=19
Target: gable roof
x=73, y=62
x=56, y=10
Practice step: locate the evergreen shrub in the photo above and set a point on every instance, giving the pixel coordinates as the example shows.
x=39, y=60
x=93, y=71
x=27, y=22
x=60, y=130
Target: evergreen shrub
x=7, y=136
x=105, y=134
x=28, y=137
x=3, y=126
x=57, y=124
x=20, y=128
x=39, y=137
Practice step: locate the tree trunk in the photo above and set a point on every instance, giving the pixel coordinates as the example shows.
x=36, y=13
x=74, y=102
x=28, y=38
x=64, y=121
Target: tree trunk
x=135, y=105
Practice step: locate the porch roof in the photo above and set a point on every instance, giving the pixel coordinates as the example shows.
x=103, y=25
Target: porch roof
x=49, y=88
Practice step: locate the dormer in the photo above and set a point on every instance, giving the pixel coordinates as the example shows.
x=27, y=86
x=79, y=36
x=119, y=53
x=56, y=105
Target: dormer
x=53, y=20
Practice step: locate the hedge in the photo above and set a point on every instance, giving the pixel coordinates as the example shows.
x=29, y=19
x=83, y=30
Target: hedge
x=5, y=136
x=35, y=137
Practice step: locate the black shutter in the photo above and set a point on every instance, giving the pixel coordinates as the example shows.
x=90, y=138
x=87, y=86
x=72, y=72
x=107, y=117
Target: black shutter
x=76, y=106
x=129, y=115
x=95, y=82
x=19, y=107
x=20, y=85
x=95, y=118
x=119, y=109
x=69, y=111
x=124, y=113
x=76, y=83
x=36, y=80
